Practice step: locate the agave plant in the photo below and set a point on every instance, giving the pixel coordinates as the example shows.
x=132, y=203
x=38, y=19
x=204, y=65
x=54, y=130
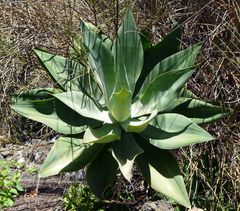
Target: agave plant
x=126, y=103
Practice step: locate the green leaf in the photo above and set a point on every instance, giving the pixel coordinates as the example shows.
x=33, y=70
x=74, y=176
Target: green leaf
x=161, y=171
x=201, y=112
x=169, y=45
x=101, y=60
x=65, y=72
x=171, y=131
x=84, y=26
x=159, y=94
x=125, y=151
x=62, y=155
x=89, y=87
x=187, y=93
x=101, y=174
x=14, y=191
x=34, y=94
x=54, y=114
x=120, y=105
x=138, y=124
x=128, y=54
x=8, y=203
x=181, y=60
x=87, y=155
x=83, y=105
x=105, y=134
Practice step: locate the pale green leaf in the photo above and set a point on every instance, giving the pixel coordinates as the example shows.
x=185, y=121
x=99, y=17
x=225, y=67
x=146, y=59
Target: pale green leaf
x=128, y=54
x=171, y=131
x=34, y=94
x=178, y=61
x=83, y=105
x=101, y=60
x=154, y=54
x=54, y=114
x=120, y=105
x=160, y=93
x=199, y=111
x=63, y=153
x=125, y=151
x=161, y=171
x=105, y=134
x=87, y=155
x=65, y=72
x=86, y=26
x=138, y=124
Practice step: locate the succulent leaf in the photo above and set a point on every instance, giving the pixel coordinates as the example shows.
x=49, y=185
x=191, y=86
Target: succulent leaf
x=161, y=171
x=153, y=55
x=128, y=54
x=65, y=72
x=160, y=93
x=83, y=105
x=172, y=131
x=125, y=151
x=128, y=60
x=201, y=112
x=54, y=114
x=34, y=94
x=101, y=174
x=101, y=60
x=180, y=60
x=120, y=105
x=63, y=153
x=138, y=124
x=105, y=134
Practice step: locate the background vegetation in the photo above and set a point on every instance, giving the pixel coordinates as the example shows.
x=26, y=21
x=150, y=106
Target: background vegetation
x=211, y=169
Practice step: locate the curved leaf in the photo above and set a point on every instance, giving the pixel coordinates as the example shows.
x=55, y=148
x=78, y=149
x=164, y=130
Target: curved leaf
x=34, y=94
x=101, y=174
x=88, y=154
x=63, y=153
x=153, y=55
x=65, y=72
x=171, y=131
x=101, y=60
x=120, y=105
x=159, y=94
x=84, y=26
x=125, y=151
x=83, y=105
x=138, y=125
x=201, y=112
x=187, y=93
x=128, y=54
x=181, y=60
x=104, y=134
x=54, y=114
x=161, y=171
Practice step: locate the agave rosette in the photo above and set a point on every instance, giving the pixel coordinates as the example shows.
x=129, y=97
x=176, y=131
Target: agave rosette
x=127, y=104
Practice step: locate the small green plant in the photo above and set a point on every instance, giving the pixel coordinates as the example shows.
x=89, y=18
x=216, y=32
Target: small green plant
x=79, y=197
x=127, y=102
x=10, y=182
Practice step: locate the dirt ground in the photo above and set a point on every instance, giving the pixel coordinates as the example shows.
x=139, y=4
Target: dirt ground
x=41, y=194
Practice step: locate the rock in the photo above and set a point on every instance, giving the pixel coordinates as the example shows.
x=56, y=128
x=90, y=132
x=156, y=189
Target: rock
x=159, y=205
x=1, y=157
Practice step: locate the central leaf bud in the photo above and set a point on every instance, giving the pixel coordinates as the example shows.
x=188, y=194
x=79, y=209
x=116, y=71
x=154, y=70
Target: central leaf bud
x=120, y=105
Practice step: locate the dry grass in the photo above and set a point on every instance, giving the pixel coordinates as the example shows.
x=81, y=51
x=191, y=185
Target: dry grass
x=212, y=169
